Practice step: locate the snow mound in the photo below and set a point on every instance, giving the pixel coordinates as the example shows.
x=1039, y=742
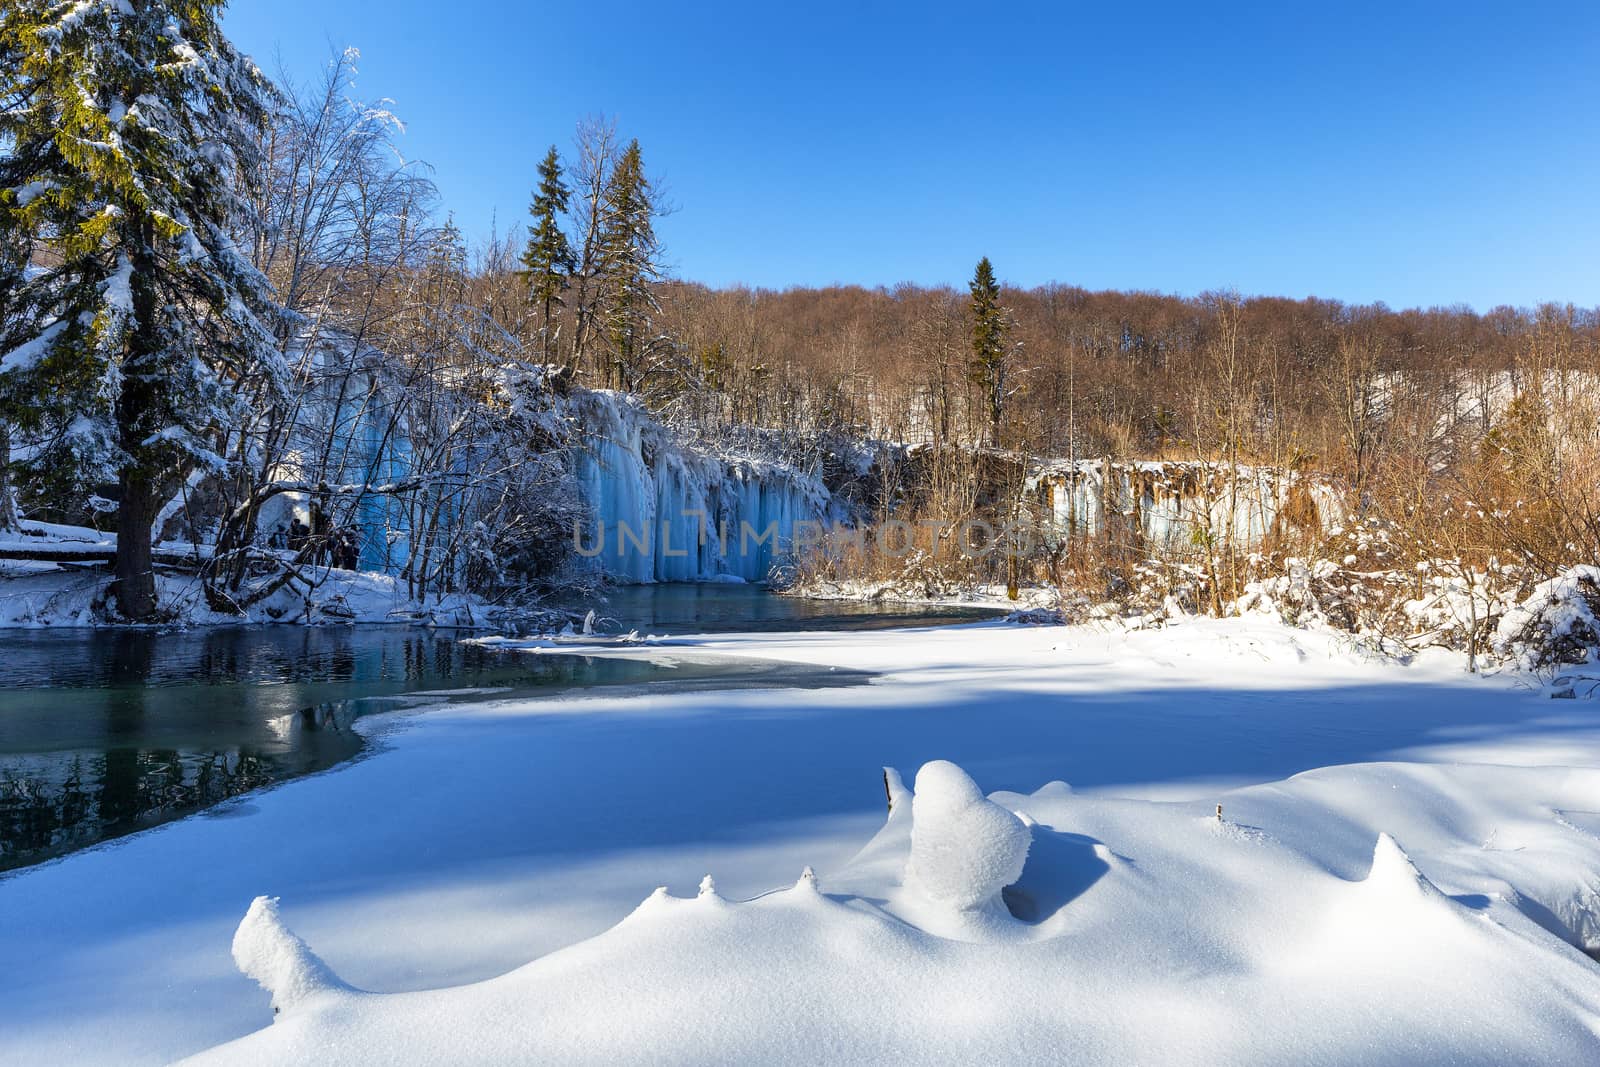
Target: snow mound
x=964, y=847
x=1395, y=878
x=1141, y=952
x=281, y=963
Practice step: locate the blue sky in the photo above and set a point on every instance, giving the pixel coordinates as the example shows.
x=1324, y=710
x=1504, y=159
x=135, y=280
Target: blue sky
x=1417, y=154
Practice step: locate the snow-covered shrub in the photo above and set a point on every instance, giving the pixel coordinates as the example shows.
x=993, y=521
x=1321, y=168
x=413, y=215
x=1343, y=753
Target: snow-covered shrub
x=964, y=847
x=1038, y=617
x=1166, y=590
x=1458, y=606
x=1326, y=594
x=1090, y=588
x=1557, y=624
x=1295, y=595
x=846, y=570
x=1356, y=583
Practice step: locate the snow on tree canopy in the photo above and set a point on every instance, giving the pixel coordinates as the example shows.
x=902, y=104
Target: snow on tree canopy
x=171, y=328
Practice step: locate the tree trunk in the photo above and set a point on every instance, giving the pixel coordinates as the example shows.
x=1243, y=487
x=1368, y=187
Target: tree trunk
x=135, y=581
x=134, y=584
x=8, y=503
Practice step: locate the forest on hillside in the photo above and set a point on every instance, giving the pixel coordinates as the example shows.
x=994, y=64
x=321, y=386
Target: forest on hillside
x=217, y=290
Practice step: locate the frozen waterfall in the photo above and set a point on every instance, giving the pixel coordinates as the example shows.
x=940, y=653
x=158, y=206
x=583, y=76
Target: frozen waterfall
x=1175, y=505
x=664, y=512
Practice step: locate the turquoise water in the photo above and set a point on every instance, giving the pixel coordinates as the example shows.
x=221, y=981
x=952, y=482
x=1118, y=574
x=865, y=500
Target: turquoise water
x=104, y=733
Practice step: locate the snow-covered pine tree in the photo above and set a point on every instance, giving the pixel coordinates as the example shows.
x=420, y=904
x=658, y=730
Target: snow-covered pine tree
x=129, y=139
x=989, y=348
x=630, y=254
x=548, y=262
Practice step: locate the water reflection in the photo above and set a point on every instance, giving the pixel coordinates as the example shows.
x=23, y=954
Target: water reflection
x=102, y=734
x=123, y=790
x=106, y=732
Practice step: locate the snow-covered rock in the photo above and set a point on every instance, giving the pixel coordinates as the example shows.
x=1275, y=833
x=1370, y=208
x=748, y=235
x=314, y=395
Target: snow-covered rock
x=964, y=847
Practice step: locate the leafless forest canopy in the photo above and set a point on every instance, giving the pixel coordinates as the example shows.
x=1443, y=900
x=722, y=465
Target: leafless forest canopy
x=1453, y=434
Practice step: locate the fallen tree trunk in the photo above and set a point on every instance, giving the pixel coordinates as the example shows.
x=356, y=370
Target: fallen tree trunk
x=84, y=552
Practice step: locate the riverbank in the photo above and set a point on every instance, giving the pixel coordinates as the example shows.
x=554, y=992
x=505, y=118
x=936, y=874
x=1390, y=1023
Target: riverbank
x=109, y=730
x=39, y=594
x=488, y=835
x=993, y=597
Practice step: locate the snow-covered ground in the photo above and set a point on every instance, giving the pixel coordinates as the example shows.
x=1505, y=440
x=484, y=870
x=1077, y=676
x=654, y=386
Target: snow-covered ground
x=37, y=593
x=34, y=595
x=1405, y=859
x=893, y=592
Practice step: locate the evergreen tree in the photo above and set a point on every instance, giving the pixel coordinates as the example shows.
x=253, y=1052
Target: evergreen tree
x=630, y=258
x=549, y=261
x=129, y=145
x=989, y=346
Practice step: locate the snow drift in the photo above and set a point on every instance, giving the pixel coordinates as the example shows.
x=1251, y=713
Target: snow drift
x=1160, y=933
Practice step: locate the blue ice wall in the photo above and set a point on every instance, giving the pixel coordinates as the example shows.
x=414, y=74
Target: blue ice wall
x=663, y=512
